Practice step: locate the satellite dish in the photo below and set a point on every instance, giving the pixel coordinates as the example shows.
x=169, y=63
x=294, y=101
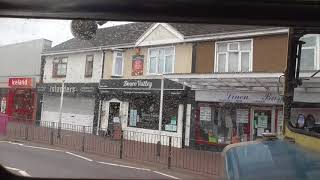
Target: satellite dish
x=84, y=29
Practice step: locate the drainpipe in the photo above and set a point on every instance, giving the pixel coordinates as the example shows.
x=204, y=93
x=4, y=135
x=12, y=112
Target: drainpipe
x=99, y=95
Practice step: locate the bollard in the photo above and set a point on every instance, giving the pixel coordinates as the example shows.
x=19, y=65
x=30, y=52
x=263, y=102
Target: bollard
x=83, y=138
x=158, y=148
x=121, y=144
x=169, y=153
x=26, y=132
x=51, y=133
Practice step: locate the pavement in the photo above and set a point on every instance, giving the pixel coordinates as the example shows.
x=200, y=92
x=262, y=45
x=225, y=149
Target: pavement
x=27, y=159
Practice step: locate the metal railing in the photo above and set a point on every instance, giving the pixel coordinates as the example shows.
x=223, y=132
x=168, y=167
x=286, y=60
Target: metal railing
x=138, y=146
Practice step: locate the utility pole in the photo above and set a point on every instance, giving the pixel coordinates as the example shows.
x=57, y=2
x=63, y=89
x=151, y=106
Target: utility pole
x=60, y=109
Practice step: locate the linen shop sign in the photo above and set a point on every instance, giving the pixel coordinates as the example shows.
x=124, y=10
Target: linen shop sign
x=239, y=97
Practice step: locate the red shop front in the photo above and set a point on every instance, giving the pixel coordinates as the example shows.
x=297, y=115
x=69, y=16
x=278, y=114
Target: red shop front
x=21, y=99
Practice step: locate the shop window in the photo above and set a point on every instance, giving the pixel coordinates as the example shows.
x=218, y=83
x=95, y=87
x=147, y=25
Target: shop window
x=60, y=67
x=117, y=66
x=144, y=113
x=309, y=60
x=89, y=66
x=161, y=60
x=170, y=115
x=222, y=125
x=234, y=56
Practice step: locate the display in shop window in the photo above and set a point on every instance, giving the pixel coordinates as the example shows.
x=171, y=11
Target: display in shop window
x=133, y=118
x=3, y=105
x=242, y=115
x=262, y=121
x=205, y=113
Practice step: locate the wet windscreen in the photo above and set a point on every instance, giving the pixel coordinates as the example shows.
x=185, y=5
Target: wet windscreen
x=306, y=95
x=141, y=100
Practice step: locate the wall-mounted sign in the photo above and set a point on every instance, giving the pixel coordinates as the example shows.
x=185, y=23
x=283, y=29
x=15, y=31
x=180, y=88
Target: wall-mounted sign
x=20, y=83
x=69, y=88
x=239, y=97
x=151, y=84
x=137, y=65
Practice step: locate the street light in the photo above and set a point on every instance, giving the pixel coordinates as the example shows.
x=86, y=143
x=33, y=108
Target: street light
x=60, y=109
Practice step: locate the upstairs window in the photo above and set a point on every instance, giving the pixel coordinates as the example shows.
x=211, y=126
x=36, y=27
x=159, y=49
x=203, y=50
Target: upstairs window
x=309, y=59
x=117, y=67
x=60, y=67
x=234, y=56
x=89, y=66
x=161, y=60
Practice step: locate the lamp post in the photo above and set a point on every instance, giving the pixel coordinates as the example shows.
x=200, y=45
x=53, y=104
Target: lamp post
x=60, y=109
x=161, y=109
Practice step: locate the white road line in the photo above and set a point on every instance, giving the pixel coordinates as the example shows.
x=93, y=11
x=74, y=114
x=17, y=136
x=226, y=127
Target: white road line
x=11, y=168
x=78, y=156
x=119, y=165
x=15, y=143
x=36, y=147
x=24, y=173
x=173, y=177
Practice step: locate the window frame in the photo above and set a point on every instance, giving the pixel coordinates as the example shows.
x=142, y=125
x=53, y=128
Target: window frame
x=55, y=66
x=157, y=62
x=114, y=63
x=86, y=74
x=316, y=48
x=238, y=41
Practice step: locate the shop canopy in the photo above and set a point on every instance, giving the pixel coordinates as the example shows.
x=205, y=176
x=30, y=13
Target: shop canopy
x=241, y=81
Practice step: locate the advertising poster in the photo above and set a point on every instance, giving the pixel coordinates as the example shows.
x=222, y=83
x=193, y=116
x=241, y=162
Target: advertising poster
x=137, y=65
x=133, y=117
x=242, y=115
x=205, y=113
x=263, y=121
x=3, y=105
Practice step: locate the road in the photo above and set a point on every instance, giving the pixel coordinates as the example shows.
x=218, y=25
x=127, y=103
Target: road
x=35, y=161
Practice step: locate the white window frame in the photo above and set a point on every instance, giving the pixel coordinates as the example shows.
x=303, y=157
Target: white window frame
x=227, y=54
x=114, y=63
x=316, y=63
x=173, y=60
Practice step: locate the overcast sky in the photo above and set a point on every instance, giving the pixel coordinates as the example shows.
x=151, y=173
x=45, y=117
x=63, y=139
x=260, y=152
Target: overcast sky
x=19, y=30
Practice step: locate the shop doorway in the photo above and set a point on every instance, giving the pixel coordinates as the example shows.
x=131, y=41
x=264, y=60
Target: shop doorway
x=262, y=122
x=114, y=116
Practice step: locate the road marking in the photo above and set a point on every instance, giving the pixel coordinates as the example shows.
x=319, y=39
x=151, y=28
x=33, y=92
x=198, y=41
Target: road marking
x=78, y=156
x=15, y=143
x=23, y=173
x=119, y=165
x=36, y=147
x=11, y=168
x=173, y=177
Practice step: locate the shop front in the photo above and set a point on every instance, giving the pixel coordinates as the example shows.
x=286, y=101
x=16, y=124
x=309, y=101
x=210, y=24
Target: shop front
x=233, y=107
x=78, y=108
x=21, y=101
x=229, y=117
x=135, y=104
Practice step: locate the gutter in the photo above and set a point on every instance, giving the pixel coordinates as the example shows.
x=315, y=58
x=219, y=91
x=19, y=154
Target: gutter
x=237, y=34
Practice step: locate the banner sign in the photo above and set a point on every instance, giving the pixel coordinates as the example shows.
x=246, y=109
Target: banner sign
x=137, y=65
x=239, y=97
x=69, y=88
x=150, y=84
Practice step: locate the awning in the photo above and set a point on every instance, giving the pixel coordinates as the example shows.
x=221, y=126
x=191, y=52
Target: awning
x=230, y=81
